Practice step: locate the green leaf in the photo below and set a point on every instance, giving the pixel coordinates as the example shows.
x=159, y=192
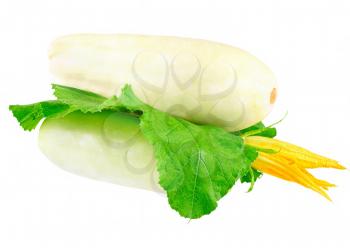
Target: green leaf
x=85, y=101
x=30, y=115
x=197, y=164
x=249, y=178
x=252, y=175
x=69, y=100
x=260, y=129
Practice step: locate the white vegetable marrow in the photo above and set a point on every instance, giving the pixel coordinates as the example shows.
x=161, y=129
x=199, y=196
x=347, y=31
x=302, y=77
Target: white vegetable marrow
x=202, y=81
x=106, y=146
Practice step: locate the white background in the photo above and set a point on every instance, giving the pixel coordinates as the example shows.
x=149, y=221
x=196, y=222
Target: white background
x=306, y=43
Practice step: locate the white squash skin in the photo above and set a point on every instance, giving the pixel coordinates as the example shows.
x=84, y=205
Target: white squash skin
x=202, y=81
x=105, y=146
